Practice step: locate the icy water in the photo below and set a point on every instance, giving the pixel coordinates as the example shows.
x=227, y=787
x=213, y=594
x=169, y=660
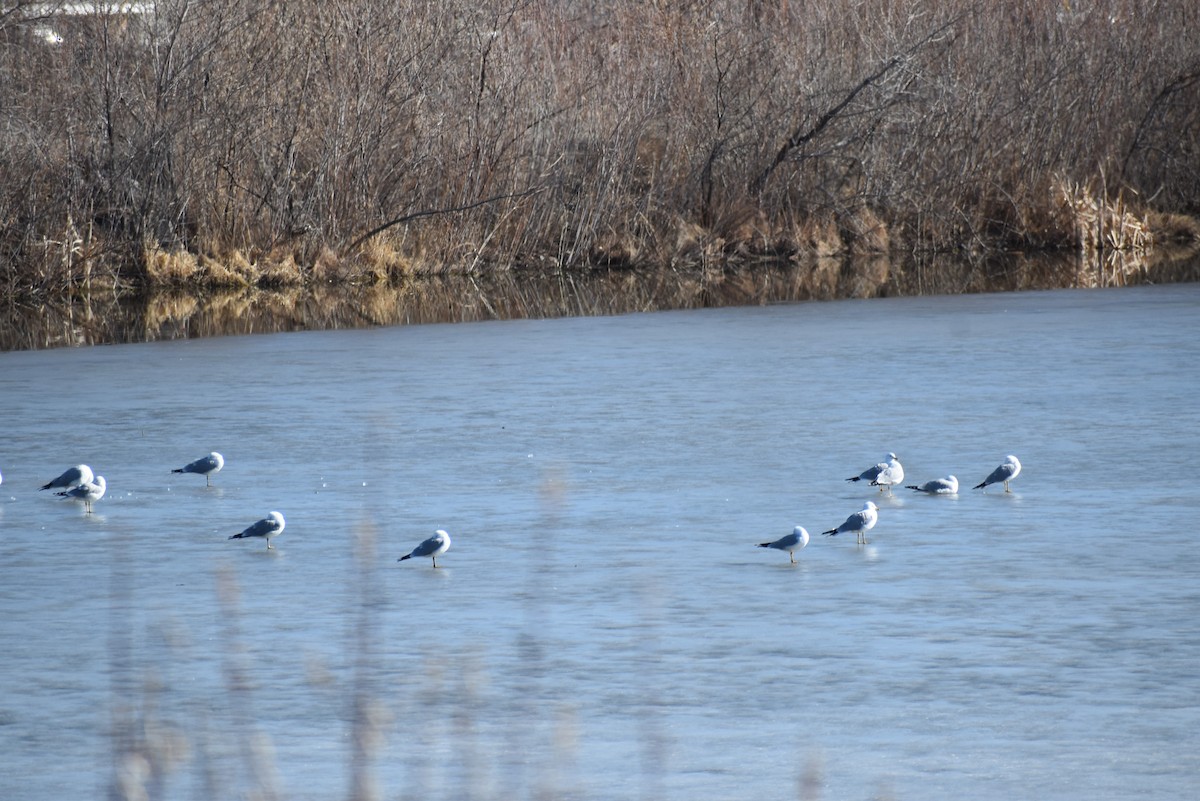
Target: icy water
x=604, y=626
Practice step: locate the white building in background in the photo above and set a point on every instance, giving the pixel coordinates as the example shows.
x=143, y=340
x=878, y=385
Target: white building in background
x=42, y=10
x=44, y=20
x=47, y=34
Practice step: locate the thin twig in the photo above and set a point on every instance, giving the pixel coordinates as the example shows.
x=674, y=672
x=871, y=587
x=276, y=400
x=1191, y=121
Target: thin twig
x=434, y=212
x=800, y=137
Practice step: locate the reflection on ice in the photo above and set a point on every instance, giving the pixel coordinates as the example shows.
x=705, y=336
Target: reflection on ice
x=96, y=318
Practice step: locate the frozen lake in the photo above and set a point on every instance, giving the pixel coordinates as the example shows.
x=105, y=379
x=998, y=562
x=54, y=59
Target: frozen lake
x=603, y=626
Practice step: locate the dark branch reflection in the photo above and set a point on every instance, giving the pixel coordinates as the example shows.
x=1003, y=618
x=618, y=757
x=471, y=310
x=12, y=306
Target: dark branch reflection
x=109, y=318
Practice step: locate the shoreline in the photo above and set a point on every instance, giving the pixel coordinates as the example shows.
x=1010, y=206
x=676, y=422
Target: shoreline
x=156, y=147
x=99, y=315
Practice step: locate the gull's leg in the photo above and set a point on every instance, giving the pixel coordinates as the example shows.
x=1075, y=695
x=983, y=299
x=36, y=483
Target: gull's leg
x=269, y=545
x=792, y=556
x=435, y=561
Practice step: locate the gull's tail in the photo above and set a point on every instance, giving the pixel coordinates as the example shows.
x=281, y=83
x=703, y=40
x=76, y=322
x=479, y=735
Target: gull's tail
x=406, y=556
x=764, y=545
x=238, y=536
x=48, y=485
x=855, y=478
x=912, y=486
x=832, y=532
x=179, y=470
x=981, y=485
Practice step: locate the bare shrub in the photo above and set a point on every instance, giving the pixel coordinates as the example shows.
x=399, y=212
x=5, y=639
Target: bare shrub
x=365, y=141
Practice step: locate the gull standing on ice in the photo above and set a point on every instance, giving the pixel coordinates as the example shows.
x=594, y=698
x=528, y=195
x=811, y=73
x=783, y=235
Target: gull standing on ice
x=433, y=547
x=882, y=475
x=269, y=527
x=206, y=466
x=89, y=492
x=1005, y=472
x=859, y=522
x=79, y=474
x=939, y=486
x=892, y=474
x=791, y=543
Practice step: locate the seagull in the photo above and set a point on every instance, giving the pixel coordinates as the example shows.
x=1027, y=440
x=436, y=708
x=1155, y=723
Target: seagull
x=893, y=473
x=859, y=522
x=884, y=474
x=269, y=527
x=206, y=466
x=433, y=547
x=79, y=474
x=939, y=486
x=89, y=492
x=791, y=543
x=1010, y=469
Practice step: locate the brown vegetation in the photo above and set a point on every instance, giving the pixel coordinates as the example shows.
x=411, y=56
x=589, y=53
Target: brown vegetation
x=185, y=312
x=238, y=143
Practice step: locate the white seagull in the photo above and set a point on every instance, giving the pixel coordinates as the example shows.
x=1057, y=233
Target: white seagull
x=884, y=474
x=859, y=522
x=205, y=466
x=433, y=547
x=79, y=474
x=268, y=528
x=89, y=492
x=1005, y=472
x=791, y=543
x=939, y=486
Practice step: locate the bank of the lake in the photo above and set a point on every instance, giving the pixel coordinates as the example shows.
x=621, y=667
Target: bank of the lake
x=157, y=146
x=96, y=315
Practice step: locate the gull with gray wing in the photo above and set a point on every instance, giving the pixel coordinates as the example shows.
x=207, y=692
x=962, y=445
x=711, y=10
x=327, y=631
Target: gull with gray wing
x=89, y=492
x=433, y=547
x=205, y=466
x=791, y=543
x=79, y=474
x=884, y=474
x=1005, y=473
x=860, y=523
x=268, y=528
x=938, y=486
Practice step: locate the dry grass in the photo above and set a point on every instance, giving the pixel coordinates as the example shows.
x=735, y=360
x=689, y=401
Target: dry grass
x=1102, y=224
x=170, y=268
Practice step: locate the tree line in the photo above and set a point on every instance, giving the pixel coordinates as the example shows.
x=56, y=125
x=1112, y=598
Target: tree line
x=242, y=141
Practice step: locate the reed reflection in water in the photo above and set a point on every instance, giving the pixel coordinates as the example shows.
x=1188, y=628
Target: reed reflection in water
x=104, y=318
